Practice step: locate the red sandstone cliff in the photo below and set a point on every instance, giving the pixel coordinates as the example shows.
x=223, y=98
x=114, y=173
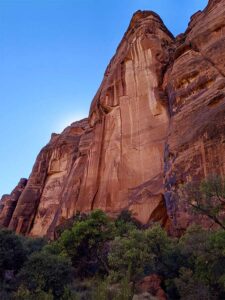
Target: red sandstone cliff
x=157, y=120
x=195, y=84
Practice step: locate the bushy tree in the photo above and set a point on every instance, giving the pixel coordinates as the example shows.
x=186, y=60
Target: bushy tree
x=86, y=243
x=12, y=252
x=104, y=290
x=125, y=223
x=32, y=245
x=207, y=198
x=46, y=272
x=128, y=252
x=204, y=267
x=190, y=287
x=143, y=252
x=163, y=253
x=25, y=294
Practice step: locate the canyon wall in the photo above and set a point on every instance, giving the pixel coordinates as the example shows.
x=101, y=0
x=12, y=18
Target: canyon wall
x=157, y=121
x=195, y=85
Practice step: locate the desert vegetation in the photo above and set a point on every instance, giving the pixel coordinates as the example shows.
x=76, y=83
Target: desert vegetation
x=98, y=258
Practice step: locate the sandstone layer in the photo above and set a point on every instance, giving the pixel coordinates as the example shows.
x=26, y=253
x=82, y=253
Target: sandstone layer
x=157, y=120
x=195, y=85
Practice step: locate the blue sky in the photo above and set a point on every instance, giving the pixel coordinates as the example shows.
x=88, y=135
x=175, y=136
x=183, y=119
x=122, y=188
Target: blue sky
x=53, y=55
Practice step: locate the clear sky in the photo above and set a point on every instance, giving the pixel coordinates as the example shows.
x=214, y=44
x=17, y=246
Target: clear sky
x=53, y=54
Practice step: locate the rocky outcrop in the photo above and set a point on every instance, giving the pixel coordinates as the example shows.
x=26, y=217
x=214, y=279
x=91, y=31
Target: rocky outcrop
x=156, y=121
x=150, y=287
x=52, y=184
x=9, y=202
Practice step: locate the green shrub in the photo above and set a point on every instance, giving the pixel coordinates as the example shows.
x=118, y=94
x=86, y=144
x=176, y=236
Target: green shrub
x=32, y=245
x=206, y=198
x=12, y=252
x=125, y=223
x=85, y=243
x=46, y=272
x=105, y=290
x=109, y=258
x=24, y=294
x=144, y=252
x=205, y=261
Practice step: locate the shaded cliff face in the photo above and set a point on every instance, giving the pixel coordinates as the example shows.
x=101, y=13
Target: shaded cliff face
x=9, y=202
x=195, y=84
x=157, y=120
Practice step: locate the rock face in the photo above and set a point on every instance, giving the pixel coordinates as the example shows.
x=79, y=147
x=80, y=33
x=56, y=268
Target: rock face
x=195, y=84
x=150, y=286
x=51, y=191
x=9, y=202
x=157, y=120
x=129, y=121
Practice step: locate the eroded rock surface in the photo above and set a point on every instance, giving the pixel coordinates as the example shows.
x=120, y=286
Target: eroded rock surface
x=9, y=202
x=51, y=185
x=157, y=120
x=129, y=119
x=196, y=89
x=150, y=286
